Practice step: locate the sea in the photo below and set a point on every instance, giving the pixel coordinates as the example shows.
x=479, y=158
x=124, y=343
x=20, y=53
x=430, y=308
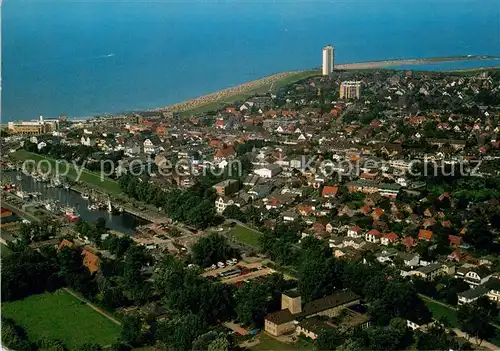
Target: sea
x=86, y=57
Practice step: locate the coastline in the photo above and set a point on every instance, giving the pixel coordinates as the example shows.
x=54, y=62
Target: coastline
x=274, y=81
x=233, y=93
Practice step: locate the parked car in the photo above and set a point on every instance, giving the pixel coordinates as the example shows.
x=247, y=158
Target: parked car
x=221, y=264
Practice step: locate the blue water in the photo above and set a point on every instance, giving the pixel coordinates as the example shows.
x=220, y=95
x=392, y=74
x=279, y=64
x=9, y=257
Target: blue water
x=55, y=53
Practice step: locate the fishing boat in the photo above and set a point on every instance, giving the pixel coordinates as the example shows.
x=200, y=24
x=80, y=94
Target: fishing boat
x=22, y=194
x=92, y=207
x=19, y=177
x=71, y=214
x=66, y=186
x=57, y=182
x=51, y=206
x=7, y=186
x=85, y=196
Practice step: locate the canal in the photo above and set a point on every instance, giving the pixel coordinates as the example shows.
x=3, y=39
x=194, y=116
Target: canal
x=121, y=222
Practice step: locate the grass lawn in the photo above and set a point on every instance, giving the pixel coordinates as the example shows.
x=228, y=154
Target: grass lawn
x=87, y=177
x=442, y=311
x=246, y=236
x=258, y=90
x=60, y=316
x=5, y=251
x=268, y=343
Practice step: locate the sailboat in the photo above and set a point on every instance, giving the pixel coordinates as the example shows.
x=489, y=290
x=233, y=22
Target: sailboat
x=110, y=208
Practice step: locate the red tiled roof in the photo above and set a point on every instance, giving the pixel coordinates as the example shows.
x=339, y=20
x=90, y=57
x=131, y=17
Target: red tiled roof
x=425, y=234
x=409, y=242
x=391, y=236
x=64, y=243
x=91, y=260
x=330, y=191
x=374, y=232
x=225, y=152
x=455, y=240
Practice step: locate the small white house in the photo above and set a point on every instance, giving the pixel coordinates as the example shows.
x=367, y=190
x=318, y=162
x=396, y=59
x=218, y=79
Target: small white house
x=41, y=145
x=149, y=147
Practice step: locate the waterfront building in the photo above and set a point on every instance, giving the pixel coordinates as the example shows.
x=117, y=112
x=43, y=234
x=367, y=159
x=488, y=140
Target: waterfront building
x=32, y=127
x=350, y=90
x=328, y=59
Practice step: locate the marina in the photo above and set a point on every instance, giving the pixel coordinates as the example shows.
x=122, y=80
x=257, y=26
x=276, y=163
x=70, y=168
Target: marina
x=73, y=205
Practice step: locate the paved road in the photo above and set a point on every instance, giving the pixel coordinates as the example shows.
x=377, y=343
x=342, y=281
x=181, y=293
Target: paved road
x=485, y=344
x=237, y=328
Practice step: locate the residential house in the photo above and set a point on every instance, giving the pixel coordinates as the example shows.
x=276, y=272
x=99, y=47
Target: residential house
x=471, y=295
x=354, y=232
x=474, y=276
x=425, y=235
x=390, y=238
x=329, y=191
x=91, y=260
x=226, y=187
x=409, y=259
x=428, y=272
x=373, y=236
x=223, y=202
x=148, y=147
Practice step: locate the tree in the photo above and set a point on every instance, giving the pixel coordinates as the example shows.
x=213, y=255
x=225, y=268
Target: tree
x=90, y=347
x=475, y=318
x=317, y=271
x=212, y=249
x=13, y=336
x=131, y=333
x=27, y=273
x=179, y=332
x=329, y=339
x=219, y=344
x=202, y=342
x=251, y=303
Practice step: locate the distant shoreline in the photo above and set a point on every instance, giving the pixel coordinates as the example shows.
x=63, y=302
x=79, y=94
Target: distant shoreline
x=211, y=98
x=266, y=84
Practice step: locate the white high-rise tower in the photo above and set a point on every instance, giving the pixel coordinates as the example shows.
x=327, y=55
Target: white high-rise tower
x=328, y=59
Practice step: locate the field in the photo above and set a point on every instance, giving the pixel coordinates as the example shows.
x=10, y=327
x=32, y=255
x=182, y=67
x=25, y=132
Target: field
x=268, y=343
x=259, y=90
x=87, y=177
x=246, y=236
x=61, y=316
x=439, y=310
x=5, y=251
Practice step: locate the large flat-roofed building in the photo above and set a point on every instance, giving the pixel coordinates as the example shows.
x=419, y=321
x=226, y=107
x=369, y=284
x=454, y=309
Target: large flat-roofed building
x=292, y=310
x=328, y=60
x=350, y=90
x=32, y=127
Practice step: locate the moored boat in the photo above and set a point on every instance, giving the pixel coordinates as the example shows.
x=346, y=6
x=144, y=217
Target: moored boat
x=71, y=214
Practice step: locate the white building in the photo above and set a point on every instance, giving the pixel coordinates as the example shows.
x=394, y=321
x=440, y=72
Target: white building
x=149, y=147
x=268, y=171
x=328, y=60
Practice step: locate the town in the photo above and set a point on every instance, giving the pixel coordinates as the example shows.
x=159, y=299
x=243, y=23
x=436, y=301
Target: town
x=351, y=209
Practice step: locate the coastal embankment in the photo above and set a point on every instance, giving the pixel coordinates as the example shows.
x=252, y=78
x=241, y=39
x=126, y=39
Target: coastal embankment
x=274, y=82
x=262, y=85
